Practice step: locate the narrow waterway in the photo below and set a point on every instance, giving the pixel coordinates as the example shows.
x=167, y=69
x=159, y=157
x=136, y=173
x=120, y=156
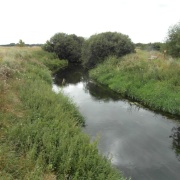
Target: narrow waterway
x=144, y=145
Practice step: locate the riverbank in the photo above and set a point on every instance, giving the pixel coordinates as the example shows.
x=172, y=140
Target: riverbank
x=41, y=135
x=154, y=83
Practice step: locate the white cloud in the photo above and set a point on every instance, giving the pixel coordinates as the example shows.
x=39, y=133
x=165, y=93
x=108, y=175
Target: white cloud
x=36, y=21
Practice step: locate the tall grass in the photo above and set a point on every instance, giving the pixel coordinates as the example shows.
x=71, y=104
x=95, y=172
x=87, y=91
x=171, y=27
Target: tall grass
x=155, y=83
x=41, y=135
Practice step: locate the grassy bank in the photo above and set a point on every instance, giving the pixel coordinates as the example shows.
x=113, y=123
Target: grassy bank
x=155, y=83
x=40, y=131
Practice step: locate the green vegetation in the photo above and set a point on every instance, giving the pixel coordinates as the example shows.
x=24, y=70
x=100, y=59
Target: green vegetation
x=40, y=131
x=50, y=60
x=100, y=46
x=66, y=47
x=156, y=46
x=91, y=51
x=173, y=40
x=21, y=43
x=155, y=83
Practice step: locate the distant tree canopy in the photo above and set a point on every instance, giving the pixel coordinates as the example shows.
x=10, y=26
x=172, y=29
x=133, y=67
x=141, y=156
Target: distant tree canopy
x=156, y=46
x=14, y=44
x=173, y=40
x=65, y=46
x=100, y=46
x=21, y=43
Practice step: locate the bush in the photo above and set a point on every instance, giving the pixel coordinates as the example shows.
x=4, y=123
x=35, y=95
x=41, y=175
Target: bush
x=66, y=47
x=99, y=46
x=173, y=40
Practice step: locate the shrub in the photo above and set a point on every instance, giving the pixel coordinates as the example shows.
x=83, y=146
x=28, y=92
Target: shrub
x=173, y=40
x=99, y=46
x=66, y=47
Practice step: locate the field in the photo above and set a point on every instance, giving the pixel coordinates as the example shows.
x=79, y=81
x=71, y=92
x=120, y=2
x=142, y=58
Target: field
x=40, y=131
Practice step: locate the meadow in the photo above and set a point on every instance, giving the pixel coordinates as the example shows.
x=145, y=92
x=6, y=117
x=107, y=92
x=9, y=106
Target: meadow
x=152, y=82
x=41, y=132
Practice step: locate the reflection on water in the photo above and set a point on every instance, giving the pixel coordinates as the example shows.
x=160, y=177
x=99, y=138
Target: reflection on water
x=176, y=141
x=143, y=144
x=72, y=75
x=75, y=74
x=99, y=92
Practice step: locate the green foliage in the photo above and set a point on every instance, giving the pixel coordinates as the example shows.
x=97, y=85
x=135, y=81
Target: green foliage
x=21, y=43
x=50, y=60
x=173, y=40
x=153, y=83
x=41, y=136
x=48, y=47
x=156, y=46
x=66, y=47
x=100, y=46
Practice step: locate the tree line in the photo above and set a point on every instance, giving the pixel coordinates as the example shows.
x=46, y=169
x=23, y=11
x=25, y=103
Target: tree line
x=21, y=43
x=90, y=51
x=95, y=49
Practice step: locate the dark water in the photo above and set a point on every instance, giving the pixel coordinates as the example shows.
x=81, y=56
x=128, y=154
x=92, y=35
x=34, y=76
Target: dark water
x=144, y=145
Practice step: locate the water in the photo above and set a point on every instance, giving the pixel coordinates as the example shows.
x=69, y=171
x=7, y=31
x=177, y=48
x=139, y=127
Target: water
x=144, y=145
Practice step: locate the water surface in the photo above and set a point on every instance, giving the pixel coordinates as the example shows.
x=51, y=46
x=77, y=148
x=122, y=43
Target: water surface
x=144, y=145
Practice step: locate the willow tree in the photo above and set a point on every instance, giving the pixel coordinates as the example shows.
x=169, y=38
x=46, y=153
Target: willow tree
x=65, y=46
x=100, y=46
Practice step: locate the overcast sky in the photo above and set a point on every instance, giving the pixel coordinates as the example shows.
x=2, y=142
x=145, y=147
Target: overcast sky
x=35, y=21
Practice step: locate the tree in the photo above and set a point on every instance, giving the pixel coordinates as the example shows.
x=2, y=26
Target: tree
x=12, y=44
x=65, y=46
x=21, y=43
x=173, y=40
x=100, y=46
x=48, y=46
x=157, y=46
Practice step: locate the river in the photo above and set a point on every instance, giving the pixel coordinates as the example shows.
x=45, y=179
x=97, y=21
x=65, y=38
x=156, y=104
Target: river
x=143, y=144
